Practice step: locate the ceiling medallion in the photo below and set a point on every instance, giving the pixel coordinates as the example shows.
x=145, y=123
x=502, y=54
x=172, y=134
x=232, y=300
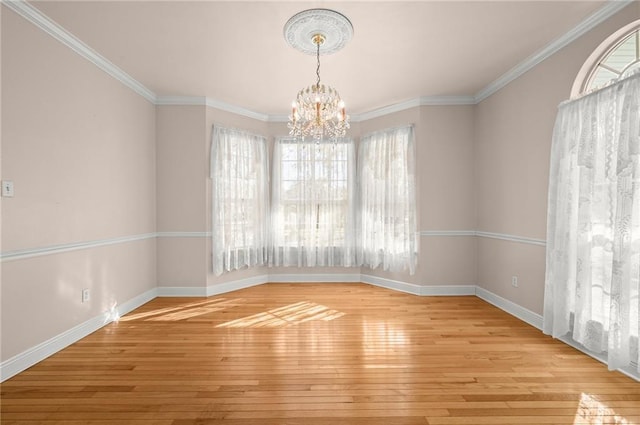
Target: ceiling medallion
x=318, y=110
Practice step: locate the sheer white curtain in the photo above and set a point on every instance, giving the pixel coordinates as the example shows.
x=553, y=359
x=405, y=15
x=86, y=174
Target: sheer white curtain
x=239, y=173
x=387, y=220
x=593, y=234
x=313, y=204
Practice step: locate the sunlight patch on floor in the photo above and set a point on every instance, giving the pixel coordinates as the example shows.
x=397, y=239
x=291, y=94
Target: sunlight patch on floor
x=292, y=314
x=594, y=412
x=185, y=311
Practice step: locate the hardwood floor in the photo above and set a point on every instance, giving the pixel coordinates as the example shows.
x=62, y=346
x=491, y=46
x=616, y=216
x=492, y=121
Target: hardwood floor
x=319, y=354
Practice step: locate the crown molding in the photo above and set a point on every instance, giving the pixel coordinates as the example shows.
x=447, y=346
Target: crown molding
x=280, y=118
x=414, y=103
x=239, y=110
x=211, y=103
x=447, y=100
x=33, y=15
x=605, y=12
x=181, y=100
x=43, y=22
x=398, y=107
x=386, y=110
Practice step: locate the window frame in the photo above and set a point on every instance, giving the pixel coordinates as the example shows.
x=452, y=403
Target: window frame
x=246, y=193
x=382, y=243
x=581, y=84
x=317, y=201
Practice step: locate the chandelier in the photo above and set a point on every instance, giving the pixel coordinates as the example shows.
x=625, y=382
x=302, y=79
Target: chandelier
x=318, y=111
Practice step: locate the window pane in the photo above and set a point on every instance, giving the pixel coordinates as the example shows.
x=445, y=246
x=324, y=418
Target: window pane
x=289, y=151
x=314, y=190
x=387, y=199
x=623, y=55
x=291, y=189
x=289, y=170
x=239, y=199
x=601, y=77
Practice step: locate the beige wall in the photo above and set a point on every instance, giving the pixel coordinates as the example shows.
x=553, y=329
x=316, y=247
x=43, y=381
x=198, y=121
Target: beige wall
x=1, y=200
x=80, y=149
x=181, y=195
x=184, y=194
x=444, y=173
x=512, y=145
x=91, y=161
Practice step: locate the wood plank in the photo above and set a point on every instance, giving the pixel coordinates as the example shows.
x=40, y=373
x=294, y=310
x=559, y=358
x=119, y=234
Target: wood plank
x=318, y=354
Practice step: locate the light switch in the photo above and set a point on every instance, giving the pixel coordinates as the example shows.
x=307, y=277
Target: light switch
x=7, y=188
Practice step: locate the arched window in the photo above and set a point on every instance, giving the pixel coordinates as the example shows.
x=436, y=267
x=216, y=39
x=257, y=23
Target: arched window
x=616, y=56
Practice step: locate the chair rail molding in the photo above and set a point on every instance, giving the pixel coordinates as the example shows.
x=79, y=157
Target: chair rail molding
x=483, y=234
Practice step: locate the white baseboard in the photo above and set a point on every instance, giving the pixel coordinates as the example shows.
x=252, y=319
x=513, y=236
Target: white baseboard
x=235, y=285
x=26, y=359
x=448, y=290
x=396, y=285
x=134, y=303
x=315, y=278
x=30, y=357
x=182, y=291
x=38, y=353
x=510, y=307
x=411, y=288
x=222, y=288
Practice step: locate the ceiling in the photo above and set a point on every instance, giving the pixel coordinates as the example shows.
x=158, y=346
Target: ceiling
x=235, y=52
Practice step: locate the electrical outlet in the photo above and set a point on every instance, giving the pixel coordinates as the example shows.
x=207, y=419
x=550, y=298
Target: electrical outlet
x=85, y=295
x=514, y=281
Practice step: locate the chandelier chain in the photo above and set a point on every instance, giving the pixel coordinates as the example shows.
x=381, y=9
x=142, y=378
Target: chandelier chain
x=318, y=61
x=318, y=111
